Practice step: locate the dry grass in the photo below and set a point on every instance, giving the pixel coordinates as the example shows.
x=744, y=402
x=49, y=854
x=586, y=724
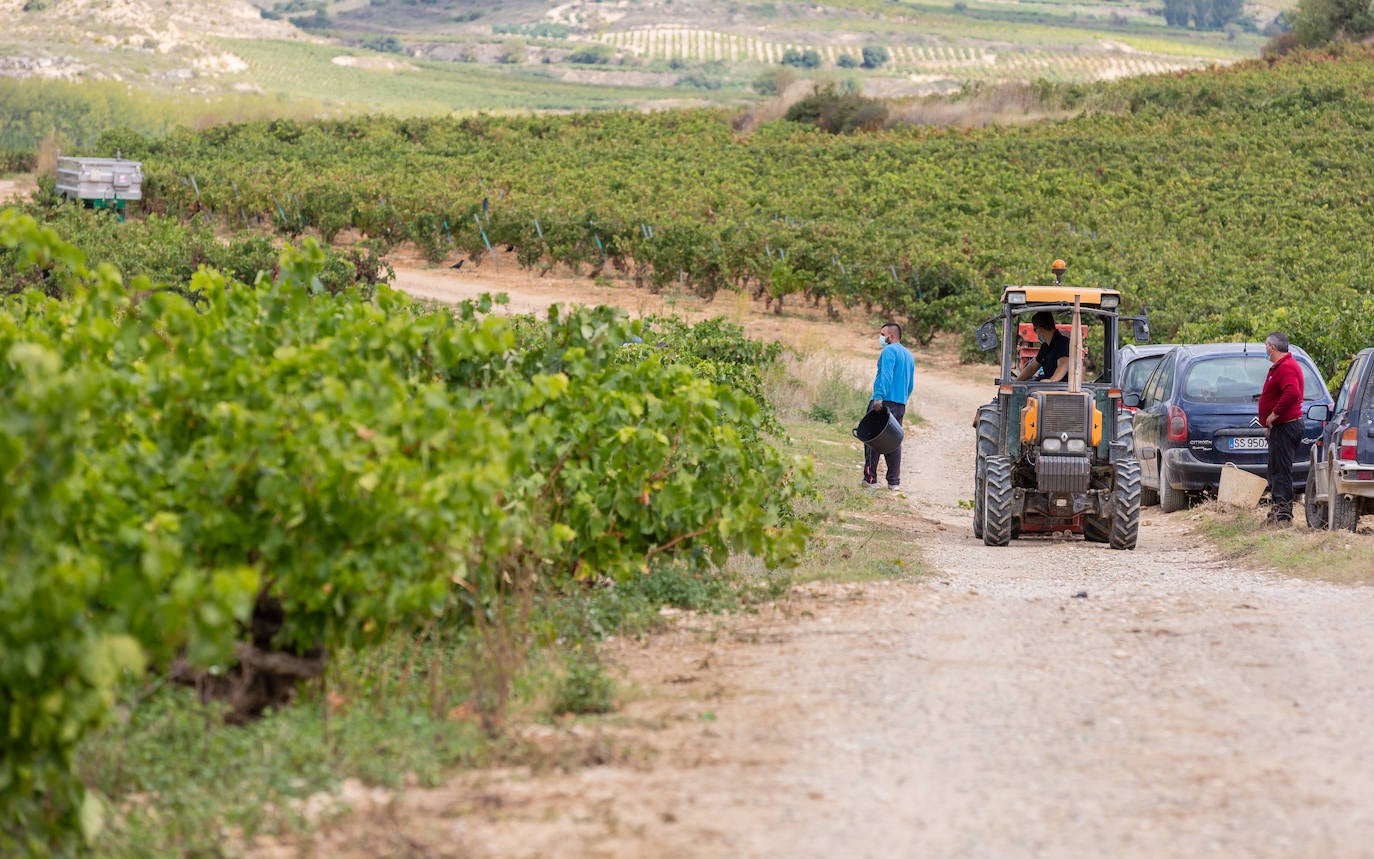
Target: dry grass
x=47, y=155
x=1007, y=104
x=1339, y=557
x=775, y=108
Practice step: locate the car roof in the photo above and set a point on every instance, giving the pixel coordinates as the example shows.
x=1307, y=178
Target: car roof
x=1131, y=351
x=1207, y=349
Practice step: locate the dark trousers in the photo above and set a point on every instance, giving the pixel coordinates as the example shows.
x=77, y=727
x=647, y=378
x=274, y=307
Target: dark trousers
x=1284, y=440
x=894, y=459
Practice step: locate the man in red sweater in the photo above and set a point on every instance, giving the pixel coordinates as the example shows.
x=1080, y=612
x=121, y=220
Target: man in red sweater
x=1280, y=410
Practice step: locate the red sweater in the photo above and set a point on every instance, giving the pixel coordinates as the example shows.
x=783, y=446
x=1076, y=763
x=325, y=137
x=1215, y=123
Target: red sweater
x=1282, y=392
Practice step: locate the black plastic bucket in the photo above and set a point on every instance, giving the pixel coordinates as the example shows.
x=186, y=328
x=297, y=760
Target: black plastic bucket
x=879, y=430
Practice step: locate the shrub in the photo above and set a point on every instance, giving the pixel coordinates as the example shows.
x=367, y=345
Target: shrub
x=592, y=55
x=774, y=81
x=383, y=45
x=874, y=56
x=839, y=112
x=585, y=688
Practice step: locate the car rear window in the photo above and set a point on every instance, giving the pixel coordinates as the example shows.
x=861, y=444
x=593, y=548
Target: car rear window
x=1138, y=371
x=1239, y=379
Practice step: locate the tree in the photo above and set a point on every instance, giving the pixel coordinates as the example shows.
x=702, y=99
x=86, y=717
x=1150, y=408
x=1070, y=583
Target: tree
x=807, y=59
x=875, y=56
x=1316, y=22
x=847, y=61
x=1202, y=14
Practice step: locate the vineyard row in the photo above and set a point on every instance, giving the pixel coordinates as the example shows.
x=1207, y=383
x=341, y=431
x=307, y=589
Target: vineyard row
x=710, y=45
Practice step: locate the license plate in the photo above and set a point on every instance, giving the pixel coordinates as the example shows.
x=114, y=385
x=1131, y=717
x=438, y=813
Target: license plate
x=1249, y=442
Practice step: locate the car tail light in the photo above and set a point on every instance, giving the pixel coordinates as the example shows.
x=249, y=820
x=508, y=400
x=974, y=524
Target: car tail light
x=1349, y=441
x=1178, y=424
x=1364, y=475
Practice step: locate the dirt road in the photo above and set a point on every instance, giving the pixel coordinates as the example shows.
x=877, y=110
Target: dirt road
x=1050, y=699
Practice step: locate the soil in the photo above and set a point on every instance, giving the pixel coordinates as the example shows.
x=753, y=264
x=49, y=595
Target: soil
x=15, y=188
x=1053, y=698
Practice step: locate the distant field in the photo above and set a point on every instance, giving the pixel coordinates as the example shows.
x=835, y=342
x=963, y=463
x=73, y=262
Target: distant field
x=952, y=41
x=176, y=58
x=308, y=71
x=955, y=60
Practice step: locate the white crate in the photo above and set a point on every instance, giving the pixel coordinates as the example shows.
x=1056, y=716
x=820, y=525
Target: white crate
x=100, y=179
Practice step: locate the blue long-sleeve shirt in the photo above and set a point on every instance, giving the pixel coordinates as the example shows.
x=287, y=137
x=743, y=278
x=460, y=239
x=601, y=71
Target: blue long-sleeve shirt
x=896, y=374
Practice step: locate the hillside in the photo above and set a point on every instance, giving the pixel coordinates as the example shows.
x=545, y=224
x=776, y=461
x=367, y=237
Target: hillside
x=438, y=56
x=163, y=44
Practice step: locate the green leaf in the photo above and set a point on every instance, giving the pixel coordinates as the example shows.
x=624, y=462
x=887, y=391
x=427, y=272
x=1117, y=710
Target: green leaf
x=92, y=817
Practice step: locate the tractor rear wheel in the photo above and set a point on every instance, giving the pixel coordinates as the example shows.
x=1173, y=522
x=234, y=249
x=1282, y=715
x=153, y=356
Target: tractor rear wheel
x=997, y=501
x=989, y=436
x=1126, y=510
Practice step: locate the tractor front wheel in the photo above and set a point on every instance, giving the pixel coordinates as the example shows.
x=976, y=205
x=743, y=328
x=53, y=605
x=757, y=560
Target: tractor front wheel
x=997, y=501
x=1126, y=510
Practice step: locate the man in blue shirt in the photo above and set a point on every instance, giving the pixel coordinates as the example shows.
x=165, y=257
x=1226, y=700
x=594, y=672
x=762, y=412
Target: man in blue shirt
x=892, y=387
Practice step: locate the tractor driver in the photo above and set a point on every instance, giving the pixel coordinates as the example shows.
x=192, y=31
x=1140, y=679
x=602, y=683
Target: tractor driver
x=1052, y=362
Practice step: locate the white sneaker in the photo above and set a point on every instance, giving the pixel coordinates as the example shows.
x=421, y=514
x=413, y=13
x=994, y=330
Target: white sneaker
x=873, y=485
x=895, y=487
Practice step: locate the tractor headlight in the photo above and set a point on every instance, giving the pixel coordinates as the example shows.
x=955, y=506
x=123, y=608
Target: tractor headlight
x=1110, y=302
x=1077, y=445
x=1016, y=298
x=1051, y=445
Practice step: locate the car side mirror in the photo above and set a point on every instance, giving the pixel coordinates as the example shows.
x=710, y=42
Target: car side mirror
x=1141, y=329
x=986, y=337
x=1318, y=412
x=1133, y=400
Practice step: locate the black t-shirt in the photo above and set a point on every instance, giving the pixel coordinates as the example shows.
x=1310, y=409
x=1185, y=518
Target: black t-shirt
x=1051, y=352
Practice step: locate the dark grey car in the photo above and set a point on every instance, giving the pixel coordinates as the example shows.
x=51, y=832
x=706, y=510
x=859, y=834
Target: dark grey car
x=1340, y=481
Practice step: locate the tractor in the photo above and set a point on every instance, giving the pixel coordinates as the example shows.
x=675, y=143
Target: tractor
x=1057, y=456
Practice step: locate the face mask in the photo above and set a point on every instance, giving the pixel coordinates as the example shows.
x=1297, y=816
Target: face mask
x=882, y=341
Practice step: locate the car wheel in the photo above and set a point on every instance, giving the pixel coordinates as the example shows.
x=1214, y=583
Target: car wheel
x=1170, y=499
x=1313, y=505
x=1345, y=512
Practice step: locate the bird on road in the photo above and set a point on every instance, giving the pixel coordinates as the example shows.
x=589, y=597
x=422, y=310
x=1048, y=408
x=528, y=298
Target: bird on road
x=458, y=264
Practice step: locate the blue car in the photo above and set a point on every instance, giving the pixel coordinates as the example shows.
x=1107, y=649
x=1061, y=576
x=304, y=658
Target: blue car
x=1198, y=411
